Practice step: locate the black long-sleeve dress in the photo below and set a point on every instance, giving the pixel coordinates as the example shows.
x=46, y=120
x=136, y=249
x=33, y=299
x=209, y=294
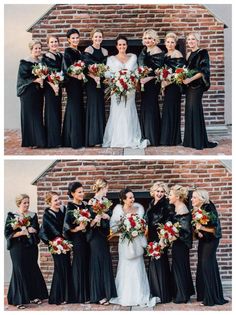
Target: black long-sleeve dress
x=102, y=283
x=195, y=135
x=208, y=282
x=73, y=126
x=95, y=111
x=171, y=112
x=80, y=262
x=182, y=283
x=53, y=107
x=150, y=111
x=159, y=270
x=61, y=287
x=24, y=256
x=31, y=99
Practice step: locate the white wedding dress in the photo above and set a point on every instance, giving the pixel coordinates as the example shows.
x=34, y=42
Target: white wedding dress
x=131, y=279
x=123, y=128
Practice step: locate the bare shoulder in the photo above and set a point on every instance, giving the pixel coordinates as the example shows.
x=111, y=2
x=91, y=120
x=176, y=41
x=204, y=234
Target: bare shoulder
x=105, y=52
x=177, y=54
x=89, y=49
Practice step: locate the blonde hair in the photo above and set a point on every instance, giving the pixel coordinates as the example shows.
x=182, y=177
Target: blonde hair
x=99, y=184
x=49, y=195
x=96, y=30
x=156, y=185
x=172, y=35
x=33, y=43
x=196, y=35
x=20, y=197
x=152, y=34
x=203, y=195
x=52, y=36
x=180, y=191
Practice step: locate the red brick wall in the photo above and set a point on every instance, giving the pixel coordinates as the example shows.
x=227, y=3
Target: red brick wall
x=132, y=20
x=140, y=175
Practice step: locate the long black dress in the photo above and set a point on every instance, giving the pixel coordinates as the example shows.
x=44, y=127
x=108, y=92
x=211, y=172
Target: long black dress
x=159, y=270
x=61, y=287
x=24, y=256
x=182, y=283
x=95, y=111
x=208, y=282
x=73, y=126
x=171, y=112
x=80, y=262
x=52, y=110
x=31, y=98
x=150, y=111
x=102, y=283
x=195, y=135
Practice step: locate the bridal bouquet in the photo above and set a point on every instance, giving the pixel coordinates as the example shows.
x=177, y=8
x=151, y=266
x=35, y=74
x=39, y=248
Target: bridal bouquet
x=77, y=68
x=202, y=217
x=131, y=225
x=40, y=71
x=81, y=215
x=98, y=70
x=154, y=250
x=122, y=83
x=168, y=233
x=181, y=74
x=55, y=77
x=100, y=206
x=59, y=246
x=142, y=72
x=20, y=223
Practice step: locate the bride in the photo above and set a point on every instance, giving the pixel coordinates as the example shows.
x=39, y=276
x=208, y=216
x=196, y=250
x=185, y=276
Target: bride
x=131, y=279
x=123, y=128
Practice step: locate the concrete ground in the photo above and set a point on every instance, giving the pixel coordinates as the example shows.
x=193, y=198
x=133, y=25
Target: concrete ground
x=193, y=305
x=12, y=141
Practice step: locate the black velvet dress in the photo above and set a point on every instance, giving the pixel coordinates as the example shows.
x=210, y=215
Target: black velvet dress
x=24, y=256
x=102, y=283
x=195, y=135
x=150, y=111
x=31, y=98
x=73, y=127
x=80, y=262
x=182, y=283
x=171, y=113
x=61, y=287
x=53, y=107
x=159, y=270
x=208, y=282
x=95, y=111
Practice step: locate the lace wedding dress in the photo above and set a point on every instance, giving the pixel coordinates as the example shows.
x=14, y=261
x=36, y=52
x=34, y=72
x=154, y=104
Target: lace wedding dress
x=123, y=127
x=131, y=279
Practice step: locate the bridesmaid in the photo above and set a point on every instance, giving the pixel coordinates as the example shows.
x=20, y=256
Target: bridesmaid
x=102, y=283
x=195, y=135
x=152, y=57
x=159, y=270
x=31, y=98
x=170, y=125
x=73, y=127
x=76, y=233
x=181, y=273
x=95, y=115
x=23, y=246
x=52, y=227
x=53, y=94
x=208, y=282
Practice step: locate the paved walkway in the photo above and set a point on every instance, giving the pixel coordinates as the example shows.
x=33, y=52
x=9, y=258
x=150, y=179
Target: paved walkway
x=13, y=147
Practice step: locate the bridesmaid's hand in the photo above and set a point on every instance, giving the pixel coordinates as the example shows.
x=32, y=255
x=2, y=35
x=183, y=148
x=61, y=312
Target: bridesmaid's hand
x=105, y=216
x=198, y=226
x=200, y=235
x=145, y=80
x=97, y=219
x=32, y=230
x=39, y=80
x=80, y=76
x=187, y=81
